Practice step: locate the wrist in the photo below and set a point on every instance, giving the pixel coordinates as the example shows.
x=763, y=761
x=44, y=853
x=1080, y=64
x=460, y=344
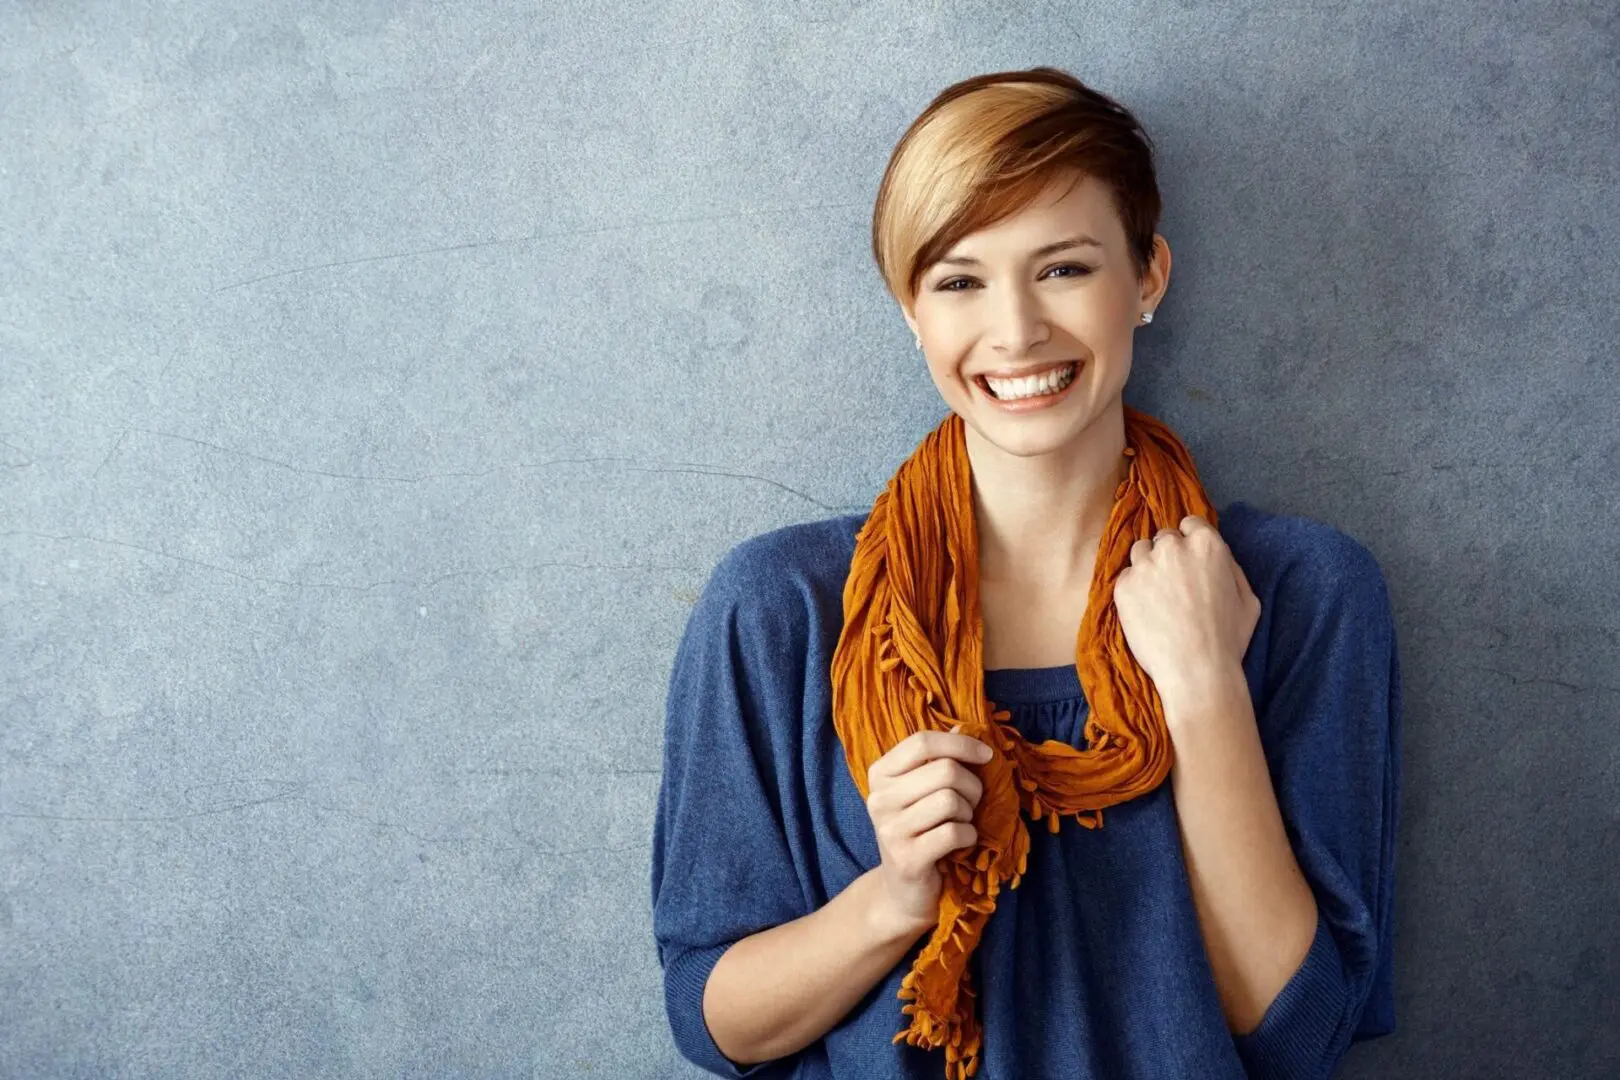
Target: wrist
x=886, y=921
x=1199, y=688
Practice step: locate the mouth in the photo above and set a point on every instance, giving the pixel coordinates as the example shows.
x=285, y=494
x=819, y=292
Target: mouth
x=1045, y=387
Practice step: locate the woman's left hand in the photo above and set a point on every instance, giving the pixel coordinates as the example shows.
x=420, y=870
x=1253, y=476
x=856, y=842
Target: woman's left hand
x=1185, y=606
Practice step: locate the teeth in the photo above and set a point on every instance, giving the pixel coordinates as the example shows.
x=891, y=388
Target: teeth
x=1033, y=386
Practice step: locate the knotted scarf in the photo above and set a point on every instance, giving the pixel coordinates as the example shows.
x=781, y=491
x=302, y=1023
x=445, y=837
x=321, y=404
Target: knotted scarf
x=910, y=658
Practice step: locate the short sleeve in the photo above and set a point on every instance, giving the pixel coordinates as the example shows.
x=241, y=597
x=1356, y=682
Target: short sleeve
x=1330, y=725
x=722, y=866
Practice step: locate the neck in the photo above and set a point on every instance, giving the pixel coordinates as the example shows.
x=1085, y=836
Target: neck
x=1041, y=517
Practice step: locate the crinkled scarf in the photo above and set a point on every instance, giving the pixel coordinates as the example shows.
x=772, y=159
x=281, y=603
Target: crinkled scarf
x=910, y=658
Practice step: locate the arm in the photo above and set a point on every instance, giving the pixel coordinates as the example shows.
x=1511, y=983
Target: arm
x=1298, y=786
x=830, y=959
x=754, y=971
x=1255, y=908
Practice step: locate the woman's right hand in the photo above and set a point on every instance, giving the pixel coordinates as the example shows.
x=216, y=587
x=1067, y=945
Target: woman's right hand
x=921, y=798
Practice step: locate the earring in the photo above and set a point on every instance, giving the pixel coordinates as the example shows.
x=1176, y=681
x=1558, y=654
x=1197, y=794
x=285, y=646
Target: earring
x=919, y=341
x=1147, y=316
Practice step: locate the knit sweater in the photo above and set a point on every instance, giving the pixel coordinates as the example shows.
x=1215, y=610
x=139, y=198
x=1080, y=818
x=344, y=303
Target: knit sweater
x=1094, y=968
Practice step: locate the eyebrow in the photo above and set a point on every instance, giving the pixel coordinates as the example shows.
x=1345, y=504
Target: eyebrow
x=1060, y=245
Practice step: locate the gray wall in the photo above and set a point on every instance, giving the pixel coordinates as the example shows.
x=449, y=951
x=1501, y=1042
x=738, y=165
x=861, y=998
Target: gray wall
x=379, y=382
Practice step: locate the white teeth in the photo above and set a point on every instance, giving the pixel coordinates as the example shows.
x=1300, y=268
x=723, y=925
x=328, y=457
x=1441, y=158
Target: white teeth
x=1032, y=386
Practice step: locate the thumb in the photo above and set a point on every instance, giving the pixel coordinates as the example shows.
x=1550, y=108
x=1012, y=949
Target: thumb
x=1241, y=580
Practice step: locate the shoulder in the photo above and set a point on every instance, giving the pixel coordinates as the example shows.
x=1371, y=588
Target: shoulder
x=1326, y=622
x=809, y=553
x=1323, y=664
x=1302, y=560
x=786, y=581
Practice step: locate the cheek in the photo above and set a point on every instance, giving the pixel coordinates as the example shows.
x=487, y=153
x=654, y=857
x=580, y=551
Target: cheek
x=948, y=381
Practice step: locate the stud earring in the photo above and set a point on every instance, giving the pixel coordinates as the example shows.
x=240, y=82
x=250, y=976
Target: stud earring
x=1147, y=316
x=919, y=342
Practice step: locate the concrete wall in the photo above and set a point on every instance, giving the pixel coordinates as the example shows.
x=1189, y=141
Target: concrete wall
x=379, y=382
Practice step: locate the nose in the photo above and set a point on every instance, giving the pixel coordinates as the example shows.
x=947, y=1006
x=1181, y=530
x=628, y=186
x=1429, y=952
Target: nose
x=1017, y=323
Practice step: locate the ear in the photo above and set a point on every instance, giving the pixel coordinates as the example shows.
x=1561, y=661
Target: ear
x=910, y=320
x=1157, y=278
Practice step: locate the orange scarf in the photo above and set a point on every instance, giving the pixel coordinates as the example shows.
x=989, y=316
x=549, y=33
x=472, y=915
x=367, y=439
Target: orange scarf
x=910, y=658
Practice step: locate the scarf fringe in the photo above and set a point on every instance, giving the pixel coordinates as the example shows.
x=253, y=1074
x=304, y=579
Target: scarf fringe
x=951, y=1024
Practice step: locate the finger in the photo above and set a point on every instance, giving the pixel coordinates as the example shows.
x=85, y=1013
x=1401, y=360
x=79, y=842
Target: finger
x=941, y=774
x=925, y=746
x=938, y=807
x=944, y=839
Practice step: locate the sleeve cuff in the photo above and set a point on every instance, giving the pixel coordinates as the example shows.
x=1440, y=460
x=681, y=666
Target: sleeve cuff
x=685, y=976
x=1297, y=1037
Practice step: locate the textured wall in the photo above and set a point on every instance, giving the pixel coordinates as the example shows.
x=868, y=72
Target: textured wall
x=379, y=382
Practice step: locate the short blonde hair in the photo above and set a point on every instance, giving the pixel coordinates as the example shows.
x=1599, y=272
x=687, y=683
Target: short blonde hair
x=985, y=147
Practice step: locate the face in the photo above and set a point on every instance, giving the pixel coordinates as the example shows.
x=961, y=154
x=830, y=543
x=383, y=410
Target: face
x=998, y=305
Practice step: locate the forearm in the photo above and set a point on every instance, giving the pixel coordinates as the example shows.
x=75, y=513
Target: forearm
x=1254, y=906
x=781, y=989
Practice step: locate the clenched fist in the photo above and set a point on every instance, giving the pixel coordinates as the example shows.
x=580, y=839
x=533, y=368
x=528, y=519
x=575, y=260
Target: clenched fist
x=921, y=798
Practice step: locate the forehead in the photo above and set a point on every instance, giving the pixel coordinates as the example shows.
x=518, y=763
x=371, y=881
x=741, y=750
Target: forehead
x=1070, y=204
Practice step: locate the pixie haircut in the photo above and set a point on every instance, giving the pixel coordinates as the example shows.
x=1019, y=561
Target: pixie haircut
x=986, y=147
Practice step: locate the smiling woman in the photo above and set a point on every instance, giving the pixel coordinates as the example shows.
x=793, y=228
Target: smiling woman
x=1026, y=321
x=1041, y=617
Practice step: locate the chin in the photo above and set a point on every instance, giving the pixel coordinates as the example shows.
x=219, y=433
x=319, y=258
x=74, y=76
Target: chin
x=1025, y=439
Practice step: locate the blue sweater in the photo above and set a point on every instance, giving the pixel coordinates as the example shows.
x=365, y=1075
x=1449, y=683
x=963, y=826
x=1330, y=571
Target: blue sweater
x=1094, y=967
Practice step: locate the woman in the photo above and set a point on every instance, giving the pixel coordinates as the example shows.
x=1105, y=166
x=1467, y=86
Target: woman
x=1041, y=617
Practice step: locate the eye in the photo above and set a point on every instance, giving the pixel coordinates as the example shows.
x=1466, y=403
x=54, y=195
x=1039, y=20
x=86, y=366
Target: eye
x=1081, y=271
